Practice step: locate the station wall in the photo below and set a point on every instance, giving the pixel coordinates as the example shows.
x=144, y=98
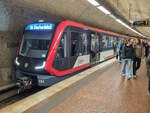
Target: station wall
x=13, y=18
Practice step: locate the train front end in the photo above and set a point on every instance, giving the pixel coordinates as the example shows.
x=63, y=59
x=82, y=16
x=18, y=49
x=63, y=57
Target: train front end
x=32, y=54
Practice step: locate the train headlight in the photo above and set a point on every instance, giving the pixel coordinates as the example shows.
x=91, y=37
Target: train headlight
x=40, y=67
x=17, y=62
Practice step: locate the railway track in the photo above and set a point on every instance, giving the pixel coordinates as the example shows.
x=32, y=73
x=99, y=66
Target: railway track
x=11, y=96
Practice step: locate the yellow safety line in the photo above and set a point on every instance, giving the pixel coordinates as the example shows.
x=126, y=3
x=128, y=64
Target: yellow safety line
x=25, y=104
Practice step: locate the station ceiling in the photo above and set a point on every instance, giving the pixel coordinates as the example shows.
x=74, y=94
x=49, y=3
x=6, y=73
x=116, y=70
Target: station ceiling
x=82, y=11
x=133, y=10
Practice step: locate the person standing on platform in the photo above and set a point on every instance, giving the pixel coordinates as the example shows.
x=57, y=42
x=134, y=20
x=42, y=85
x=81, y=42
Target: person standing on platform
x=120, y=52
x=127, y=56
x=138, y=50
x=148, y=65
x=122, y=58
x=115, y=49
x=119, y=46
x=146, y=49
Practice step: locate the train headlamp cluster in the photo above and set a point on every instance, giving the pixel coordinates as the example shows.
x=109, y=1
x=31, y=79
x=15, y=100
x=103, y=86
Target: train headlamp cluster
x=17, y=62
x=41, y=66
x=107, y=12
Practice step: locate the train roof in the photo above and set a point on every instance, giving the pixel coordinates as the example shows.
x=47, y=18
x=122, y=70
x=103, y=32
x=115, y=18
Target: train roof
x=80, y=25
x=77, y=24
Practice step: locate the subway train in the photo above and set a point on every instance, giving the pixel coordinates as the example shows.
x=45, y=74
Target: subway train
x=49, y=51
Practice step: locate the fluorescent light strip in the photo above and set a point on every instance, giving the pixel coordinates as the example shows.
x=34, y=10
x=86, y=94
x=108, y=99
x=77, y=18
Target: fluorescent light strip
x=107, y=12
x=93, y=2
x=104, y=10
x=112, y=16
x=121, y=22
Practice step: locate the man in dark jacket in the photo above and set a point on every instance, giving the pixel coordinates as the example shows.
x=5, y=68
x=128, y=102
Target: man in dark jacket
x=127, y=56
x=146, y=46
x=148, y=66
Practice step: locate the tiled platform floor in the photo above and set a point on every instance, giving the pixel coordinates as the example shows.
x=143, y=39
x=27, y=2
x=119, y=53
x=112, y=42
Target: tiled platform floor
x=109, y=93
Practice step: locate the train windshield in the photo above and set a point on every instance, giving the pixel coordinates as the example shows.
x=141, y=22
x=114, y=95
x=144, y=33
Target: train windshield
x=35, y=42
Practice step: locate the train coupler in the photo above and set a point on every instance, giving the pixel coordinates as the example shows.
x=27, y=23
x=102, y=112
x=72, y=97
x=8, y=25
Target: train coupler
x=24, y=83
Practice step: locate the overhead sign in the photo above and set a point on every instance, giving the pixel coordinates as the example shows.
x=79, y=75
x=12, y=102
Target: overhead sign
x=144, y=23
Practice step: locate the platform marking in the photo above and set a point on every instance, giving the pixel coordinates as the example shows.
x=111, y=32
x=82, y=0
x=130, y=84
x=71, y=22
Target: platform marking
x=24, y=104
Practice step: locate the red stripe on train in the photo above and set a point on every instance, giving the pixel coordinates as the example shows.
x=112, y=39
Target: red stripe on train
x=53, y=49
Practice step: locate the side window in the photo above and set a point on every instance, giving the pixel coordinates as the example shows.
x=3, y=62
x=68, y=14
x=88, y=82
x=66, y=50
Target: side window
x=110, y=42
x=61, y=51
x=75, y=36
x=100, y=41
x=93, y=41
x=84, y=43
x=104, y=42
x=107, y=41
x=118, y=39
x=97, y=43
x=114, y=39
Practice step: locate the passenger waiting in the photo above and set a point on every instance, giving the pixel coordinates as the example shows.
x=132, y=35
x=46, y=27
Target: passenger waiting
x=148, y=66
x=115, y=49
x=119, y=46
x=127, y=56
x=120, y=52
x=146, y=49
x=138, y=53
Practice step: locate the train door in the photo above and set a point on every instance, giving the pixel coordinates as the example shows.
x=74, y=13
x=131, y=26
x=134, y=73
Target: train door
x=61, y=61
x=99, y=47
x=69, y=50
x=94, y=47
x=79, y=47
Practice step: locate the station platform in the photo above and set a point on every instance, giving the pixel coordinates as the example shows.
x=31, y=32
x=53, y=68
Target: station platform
x=6, y=85
x=100, y=89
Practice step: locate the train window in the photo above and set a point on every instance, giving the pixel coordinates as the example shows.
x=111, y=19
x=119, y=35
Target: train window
x=93, y=41
x=100, y=41
x=115, y=39
x=107, y=41
x=35, y=44
x=104, y=41
x=75, y=43
x=61, y=51
x=84, y=41
x=97, y=43
x=110, y=42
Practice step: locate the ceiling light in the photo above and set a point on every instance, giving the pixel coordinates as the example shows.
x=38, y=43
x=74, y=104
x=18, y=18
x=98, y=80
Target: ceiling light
x=104, y=10
x=127, y=26
x=93, y=2
x=124, y=24
x=112, y=16
x=121, y=22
